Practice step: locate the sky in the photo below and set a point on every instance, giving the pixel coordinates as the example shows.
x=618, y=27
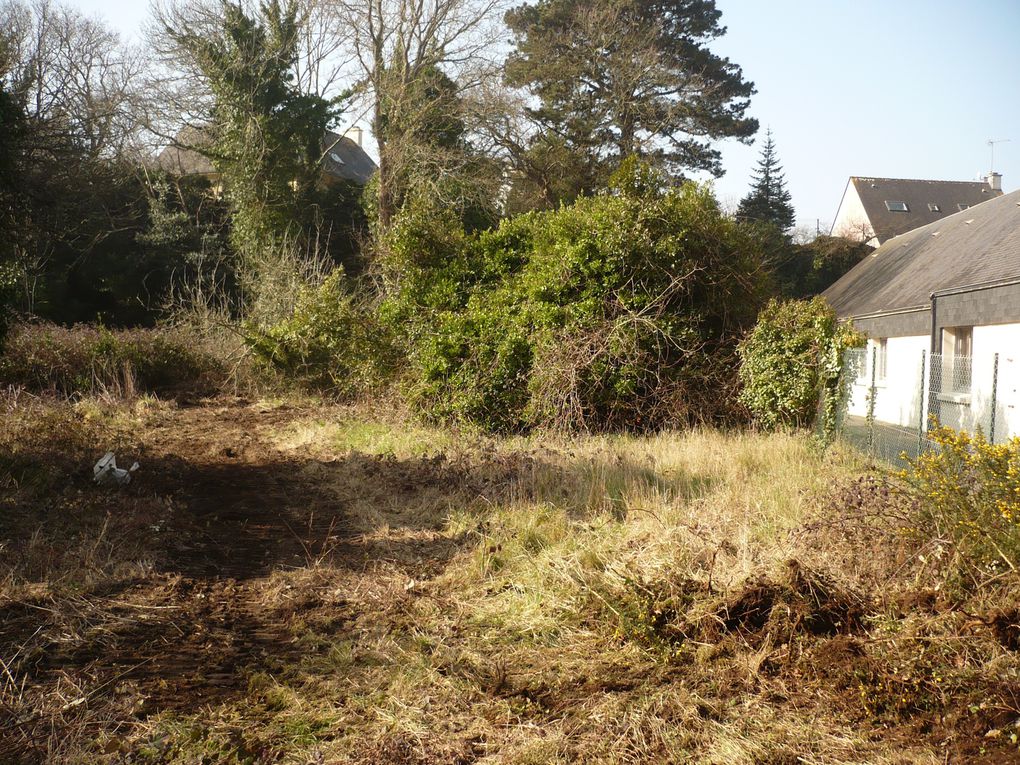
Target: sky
x=909, y=89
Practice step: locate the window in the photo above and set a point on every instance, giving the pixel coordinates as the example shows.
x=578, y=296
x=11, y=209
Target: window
x=957, y=348
x=932, y=207
x=881, y=358
x=962, y=207
x=896, y=206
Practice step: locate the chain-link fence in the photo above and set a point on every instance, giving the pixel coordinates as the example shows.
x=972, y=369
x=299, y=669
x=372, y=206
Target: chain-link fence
x=887, y=405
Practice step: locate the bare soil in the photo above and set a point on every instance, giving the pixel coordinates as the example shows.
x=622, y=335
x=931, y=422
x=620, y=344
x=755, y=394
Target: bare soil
x=218, y=508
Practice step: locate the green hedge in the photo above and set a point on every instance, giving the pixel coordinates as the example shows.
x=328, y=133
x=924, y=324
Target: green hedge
x=619, y=311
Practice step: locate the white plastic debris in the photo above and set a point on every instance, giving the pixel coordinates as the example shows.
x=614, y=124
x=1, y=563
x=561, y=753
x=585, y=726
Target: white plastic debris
x=107, y=473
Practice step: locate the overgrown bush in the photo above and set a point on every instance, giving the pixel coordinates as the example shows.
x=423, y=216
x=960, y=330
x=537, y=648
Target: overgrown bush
x=329, y=342
x=7, y=285
x=968, y=493
x=794, y=354
x=618, y=311
x=87, y=360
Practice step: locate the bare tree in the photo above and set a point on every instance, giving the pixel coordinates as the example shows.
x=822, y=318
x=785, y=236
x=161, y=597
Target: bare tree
x=75, y=79
x=400, y=48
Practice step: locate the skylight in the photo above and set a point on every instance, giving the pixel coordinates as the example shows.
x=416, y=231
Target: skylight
x=932, y=207
x=893, y=206
x=962, y=207
x=335, y=157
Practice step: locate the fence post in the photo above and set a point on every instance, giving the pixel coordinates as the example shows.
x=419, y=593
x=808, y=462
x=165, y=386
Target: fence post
x=920, y=407
x=995, y=387
x=871, y=403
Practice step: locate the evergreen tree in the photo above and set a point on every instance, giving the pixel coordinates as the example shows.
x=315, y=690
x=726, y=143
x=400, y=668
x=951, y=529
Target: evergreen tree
x=266, y=134
x=768, y=201
x=616, y=78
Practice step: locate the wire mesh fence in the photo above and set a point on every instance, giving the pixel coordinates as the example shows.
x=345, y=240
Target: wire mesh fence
x=888, y=406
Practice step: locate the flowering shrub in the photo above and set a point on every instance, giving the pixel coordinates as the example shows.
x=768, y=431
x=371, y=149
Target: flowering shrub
x=969, y=498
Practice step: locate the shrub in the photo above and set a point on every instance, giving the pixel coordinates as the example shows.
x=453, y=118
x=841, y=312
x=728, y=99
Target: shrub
x=7, y=285
x=968, y=493
x=329, y=342
x=793, y=355
x=86, y=360
x=618, y=311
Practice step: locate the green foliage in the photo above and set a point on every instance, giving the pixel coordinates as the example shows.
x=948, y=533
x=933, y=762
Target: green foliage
x=612, y=78
x=791, y=357
x=967, y=494
x=8, y=276
x=266, y=134
x=619, y=311
x=768, y=201
x=805, y=270
x=84, y=360
x=330, y=342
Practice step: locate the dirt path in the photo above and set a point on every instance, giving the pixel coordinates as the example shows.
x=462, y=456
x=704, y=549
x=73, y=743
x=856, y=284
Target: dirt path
x=250, y=505
x=209, y=613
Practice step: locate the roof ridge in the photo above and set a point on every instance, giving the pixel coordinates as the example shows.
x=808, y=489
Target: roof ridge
x=915, y=180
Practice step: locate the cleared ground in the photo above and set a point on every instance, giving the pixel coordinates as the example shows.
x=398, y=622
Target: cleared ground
x=297, y=583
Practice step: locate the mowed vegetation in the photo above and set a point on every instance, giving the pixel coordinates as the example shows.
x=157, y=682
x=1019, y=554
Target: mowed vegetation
x=289, y=581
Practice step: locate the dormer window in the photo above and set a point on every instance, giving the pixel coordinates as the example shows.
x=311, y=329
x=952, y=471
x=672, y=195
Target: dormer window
x=892, y=206
x=932, y=207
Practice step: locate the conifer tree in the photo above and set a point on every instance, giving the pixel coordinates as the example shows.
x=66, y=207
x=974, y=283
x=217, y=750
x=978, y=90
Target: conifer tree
x=768, y=201
x=616, y=78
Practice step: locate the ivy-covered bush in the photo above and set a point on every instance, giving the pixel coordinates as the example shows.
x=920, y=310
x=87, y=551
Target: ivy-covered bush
x=618, y=311
x=330, y=342
x=792, y=356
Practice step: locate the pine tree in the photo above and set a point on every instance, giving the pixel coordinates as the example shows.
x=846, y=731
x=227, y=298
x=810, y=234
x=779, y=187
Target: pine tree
x=769, y=201
x=616, y=78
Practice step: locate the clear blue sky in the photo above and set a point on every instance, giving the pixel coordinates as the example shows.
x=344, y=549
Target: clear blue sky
x=909, y=89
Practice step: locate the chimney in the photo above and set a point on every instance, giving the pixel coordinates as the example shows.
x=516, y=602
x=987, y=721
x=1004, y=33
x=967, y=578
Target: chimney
x=994, y=180
x=355, y=134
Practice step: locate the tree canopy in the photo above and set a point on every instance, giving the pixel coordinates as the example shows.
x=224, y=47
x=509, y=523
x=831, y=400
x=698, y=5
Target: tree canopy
x=616, y=78
x=266, y=134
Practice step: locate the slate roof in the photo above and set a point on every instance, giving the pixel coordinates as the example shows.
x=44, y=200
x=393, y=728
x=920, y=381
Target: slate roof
x=343, y=158
x=977, y=246
x=918, y=195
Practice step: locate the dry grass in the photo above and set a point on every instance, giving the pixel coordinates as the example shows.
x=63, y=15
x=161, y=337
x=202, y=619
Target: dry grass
x=541, y=600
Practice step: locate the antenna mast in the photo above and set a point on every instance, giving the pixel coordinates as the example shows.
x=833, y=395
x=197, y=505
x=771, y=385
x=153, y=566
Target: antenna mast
x=991, y=147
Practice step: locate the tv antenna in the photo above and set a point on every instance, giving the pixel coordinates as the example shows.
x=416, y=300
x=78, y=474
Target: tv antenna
x=991, y=148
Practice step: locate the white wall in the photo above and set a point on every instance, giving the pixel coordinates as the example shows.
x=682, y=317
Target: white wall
x=851, y=219
x=897, y=400
x=1003, y=339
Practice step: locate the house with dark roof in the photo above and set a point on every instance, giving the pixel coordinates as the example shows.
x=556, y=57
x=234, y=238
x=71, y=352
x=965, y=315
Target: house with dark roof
x=941, y=307
x=874, y=210
x=343, y=157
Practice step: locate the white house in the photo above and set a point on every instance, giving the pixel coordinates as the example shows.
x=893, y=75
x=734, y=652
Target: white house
x=875, y=210
x=941, y=306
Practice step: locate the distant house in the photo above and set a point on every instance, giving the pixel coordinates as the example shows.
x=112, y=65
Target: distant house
x=941, y=306
x=343, y=158
x=874, y=210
